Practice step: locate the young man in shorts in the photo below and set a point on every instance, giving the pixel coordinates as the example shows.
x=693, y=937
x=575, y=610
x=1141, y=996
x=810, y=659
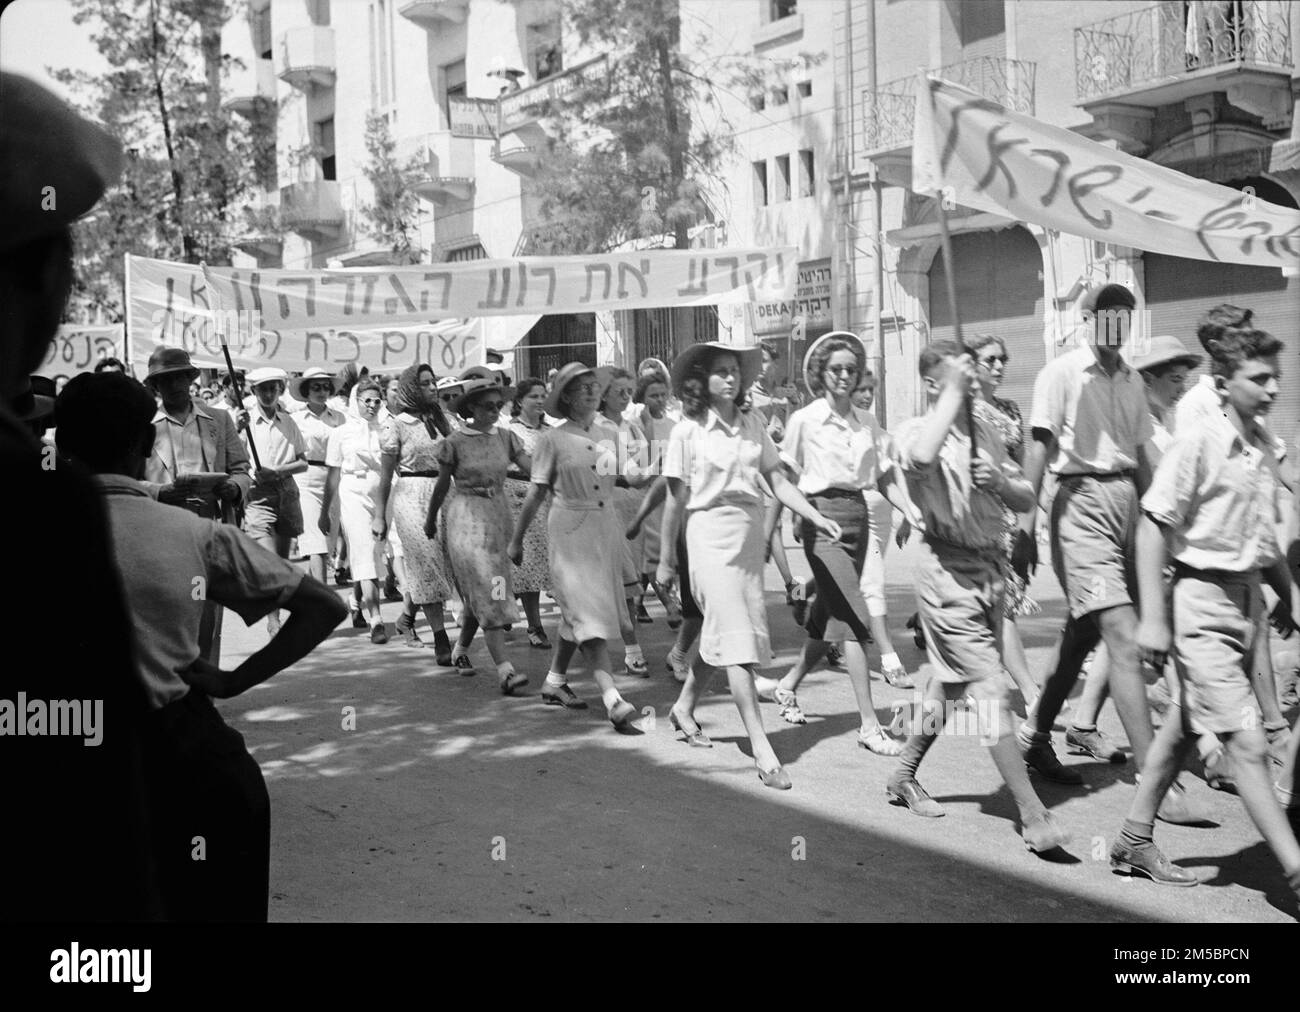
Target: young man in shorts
x=959, y=582
x=1212, y=508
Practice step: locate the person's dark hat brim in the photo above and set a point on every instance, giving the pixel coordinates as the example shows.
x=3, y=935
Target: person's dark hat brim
x=54, y=164
x=1110, y=296
x=563, y=378
x=750, y=359
x=30, y=406
x=166, y=361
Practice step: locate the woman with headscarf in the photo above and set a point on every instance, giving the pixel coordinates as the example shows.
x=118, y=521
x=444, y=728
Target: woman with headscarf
x=410, y=447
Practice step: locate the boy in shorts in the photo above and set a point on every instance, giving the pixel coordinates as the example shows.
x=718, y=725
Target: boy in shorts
x=1212, y=509
x=959, y=582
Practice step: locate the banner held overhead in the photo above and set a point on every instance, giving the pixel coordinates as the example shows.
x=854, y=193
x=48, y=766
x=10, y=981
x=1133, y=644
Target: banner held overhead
x=979, y=154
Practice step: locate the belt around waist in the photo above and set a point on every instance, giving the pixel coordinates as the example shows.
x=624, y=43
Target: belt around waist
x=838, y=493
x=417, y=474
x=316, y=463
x=482, y=491
x=1105, y=476
x=1182, y=570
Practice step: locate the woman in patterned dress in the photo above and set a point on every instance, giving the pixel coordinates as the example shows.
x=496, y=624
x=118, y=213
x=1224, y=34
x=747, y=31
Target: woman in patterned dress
x=1004, y=417
x=533, y=575
x=410, y=450
x=478, y=523
x=575, y=465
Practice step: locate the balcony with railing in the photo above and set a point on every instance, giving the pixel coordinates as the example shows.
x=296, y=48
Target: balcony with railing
x=313, y=209
x=890, y=110
x=445, y=166
x=304, y=57
x=1170, y=52
x=435, y=14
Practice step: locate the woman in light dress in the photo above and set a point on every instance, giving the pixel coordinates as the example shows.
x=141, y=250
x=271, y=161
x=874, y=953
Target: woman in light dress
x=354, y=463
x=651, y=413
x=717, y=459
x=576, y=466
x=315, y=420
x=410, y=451
x=533, y=574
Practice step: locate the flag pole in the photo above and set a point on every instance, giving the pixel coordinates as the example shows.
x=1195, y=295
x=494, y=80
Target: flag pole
x=950, y=283
x=235, y=385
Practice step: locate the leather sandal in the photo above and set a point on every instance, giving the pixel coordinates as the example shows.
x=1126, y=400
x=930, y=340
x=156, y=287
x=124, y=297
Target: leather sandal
x=563, y=696
x=878, y=741
x=696, y=737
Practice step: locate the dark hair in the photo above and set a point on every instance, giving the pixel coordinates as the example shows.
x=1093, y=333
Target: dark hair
x=817, y=363
x=104, y=417
x=695, y=387
x=109, y=363
x=645, y=381
x=934, y=353
x=1222, y=317
x=1227, y=352
x=368, y=384
x=562, y=403
x=615, y=373
x=466, y=409
x=526, y=386
x=770, y=347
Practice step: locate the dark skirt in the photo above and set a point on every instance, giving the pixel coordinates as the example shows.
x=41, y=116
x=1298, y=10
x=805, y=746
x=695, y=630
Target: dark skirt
x=837, y=566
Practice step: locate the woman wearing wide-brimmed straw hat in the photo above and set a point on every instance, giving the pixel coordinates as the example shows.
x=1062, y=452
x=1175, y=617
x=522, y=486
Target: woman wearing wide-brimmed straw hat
x=410, y=448
x=576, y=465
x=840, y=452
x=716, y=461
x=477, y=521
x=315, y=419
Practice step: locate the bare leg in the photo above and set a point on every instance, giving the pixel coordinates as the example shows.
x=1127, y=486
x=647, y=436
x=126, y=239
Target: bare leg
x=696, y=684
x=316, y=567
x=1248, y=751
x=855, y=656
x=1015, y=661
x=369, y=590
x=1118, y=629
x=532, y=602
x=563, y=655
x=810, y=654
x=1096, y=689
x=1164, y=760
x=596, y=655
x=741, y=680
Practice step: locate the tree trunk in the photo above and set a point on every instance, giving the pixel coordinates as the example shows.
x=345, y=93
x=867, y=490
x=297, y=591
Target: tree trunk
x=189, y=246
x=218, y=184
x=676, y=148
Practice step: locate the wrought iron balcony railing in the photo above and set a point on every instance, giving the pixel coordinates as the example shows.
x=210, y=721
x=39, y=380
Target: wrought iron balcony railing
x=1160, y=44
x=891, y=109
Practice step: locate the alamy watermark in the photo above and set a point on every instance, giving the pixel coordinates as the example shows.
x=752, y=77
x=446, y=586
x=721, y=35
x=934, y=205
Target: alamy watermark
x=75, y=718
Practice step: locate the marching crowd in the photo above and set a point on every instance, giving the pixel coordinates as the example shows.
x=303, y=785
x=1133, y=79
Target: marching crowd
x=1168, y=514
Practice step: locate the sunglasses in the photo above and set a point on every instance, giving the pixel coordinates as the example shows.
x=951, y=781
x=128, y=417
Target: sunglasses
x=371, y=400
x=587, y=386
x=990, y=359
x=314, y=387
x=842, y=370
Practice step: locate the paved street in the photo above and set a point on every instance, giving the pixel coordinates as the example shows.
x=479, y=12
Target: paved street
x=449, y=801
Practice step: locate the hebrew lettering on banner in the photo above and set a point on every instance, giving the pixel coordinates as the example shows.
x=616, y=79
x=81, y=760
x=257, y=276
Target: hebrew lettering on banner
x=991, y=159
x=76, y=349
x=377, y=297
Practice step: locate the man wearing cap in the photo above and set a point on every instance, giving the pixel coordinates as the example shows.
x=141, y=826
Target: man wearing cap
x=315, y=419
x=75, y=845
x=273, y=516
x=1090, y=425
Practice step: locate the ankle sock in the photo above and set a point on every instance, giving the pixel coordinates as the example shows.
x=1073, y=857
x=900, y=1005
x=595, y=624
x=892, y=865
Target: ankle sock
x=1137, y=833
x=505, y=669
x=633, y=653
x=611, y=698
x=554, y=681
x=890, y=662
x=459, y=651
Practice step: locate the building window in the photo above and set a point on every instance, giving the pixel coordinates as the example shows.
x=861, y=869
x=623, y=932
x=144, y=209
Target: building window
x=805, y=89
x=325, y=141
x=318, y=12
x=544, y=55
x=778, y=9
x=663, y=333
x=979, y=19
x=781, y=95
x=806, y=176
x=758, y=102
x=782, y=180
x=260, y=21
x=760, y=184
x=453, y=85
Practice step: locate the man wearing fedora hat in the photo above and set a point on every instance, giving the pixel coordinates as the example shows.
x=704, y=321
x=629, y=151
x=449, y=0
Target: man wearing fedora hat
x=273, y=516
x=54, y=166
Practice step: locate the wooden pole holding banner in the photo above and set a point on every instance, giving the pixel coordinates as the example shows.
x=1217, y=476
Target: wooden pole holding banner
x=234, y=381
x=127, y=349
x=951, y=285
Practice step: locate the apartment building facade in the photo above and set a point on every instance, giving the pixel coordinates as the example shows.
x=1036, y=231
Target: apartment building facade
x=822, y=158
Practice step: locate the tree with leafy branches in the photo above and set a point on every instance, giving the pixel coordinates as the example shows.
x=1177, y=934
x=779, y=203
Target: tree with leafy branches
x=192, y=166
x=393, y=217
x=636, y=150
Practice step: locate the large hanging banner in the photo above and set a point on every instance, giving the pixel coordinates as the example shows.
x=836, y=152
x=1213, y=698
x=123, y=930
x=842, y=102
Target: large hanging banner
x=172, y=304
x=979, y=154
x=77, y=349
